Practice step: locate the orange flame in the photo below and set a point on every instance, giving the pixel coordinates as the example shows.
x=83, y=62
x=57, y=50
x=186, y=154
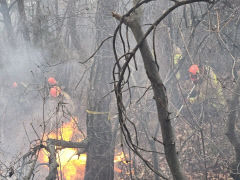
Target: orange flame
x=120, y=158
x=71, y=166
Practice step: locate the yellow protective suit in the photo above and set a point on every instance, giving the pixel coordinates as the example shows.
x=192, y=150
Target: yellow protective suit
x=176, y=59
x=208, y=89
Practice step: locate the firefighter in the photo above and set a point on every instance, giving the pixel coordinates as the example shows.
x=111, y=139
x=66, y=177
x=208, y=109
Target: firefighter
x=56, y=91
x=207, y=87
x=19, y=93
x=176, y=60
x=177, y=74
x=52, y=81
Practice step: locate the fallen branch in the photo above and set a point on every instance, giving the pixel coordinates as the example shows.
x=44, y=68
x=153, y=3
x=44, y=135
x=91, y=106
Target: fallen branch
x=51, y=144
x=68, y=144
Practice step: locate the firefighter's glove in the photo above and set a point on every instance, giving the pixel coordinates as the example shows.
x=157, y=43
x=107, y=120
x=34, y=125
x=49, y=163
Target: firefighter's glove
x=192, y=100
x=193, y=96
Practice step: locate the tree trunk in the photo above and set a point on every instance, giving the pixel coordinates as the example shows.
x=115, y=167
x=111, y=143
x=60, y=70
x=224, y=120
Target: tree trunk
x=75, y=40
x=100, y=152
x=160, y=95
x=7, y=21
x=23, y=20
x=37, y=26
x=231, y=133
x=161, y=102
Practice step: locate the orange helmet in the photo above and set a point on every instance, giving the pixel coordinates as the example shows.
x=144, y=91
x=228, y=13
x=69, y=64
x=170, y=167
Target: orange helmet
x=52, y=81
x=193, y=69
x=14, y=84
x=55, y=91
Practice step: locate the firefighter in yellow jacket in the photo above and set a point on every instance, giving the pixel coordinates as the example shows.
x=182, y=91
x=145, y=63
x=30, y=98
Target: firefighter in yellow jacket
x=208, y=89
x=176, y=60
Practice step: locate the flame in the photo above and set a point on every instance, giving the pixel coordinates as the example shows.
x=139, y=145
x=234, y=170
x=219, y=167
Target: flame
x=66, y=132
x=72, y=167
x=120, y=158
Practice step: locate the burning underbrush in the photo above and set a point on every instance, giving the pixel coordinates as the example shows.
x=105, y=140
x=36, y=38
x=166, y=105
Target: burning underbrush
x=71, y=164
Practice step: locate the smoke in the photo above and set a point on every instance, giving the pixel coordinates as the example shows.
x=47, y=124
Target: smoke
x=24, y=89
x=22, y=81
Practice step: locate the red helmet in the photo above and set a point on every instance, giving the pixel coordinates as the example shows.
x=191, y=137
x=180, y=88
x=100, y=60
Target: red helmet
x=14, y=84
x=52, y=81
x=55, y=91
x=194, y=69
